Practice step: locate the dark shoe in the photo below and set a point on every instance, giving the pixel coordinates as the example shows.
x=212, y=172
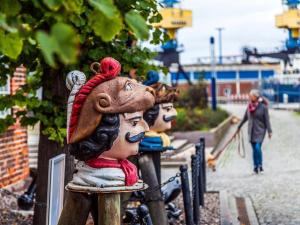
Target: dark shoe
x=255, y=171
x=261, y=170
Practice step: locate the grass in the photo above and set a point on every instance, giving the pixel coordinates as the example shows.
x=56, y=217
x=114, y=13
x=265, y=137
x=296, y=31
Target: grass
x=198, y=119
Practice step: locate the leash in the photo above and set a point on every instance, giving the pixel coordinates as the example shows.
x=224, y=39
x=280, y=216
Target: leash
x=239, y=136
x=241, y=144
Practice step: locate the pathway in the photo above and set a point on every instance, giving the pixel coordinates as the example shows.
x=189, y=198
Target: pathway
x=276, y=193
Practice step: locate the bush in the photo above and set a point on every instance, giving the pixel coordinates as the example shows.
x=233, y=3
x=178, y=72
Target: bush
x=193, y=113
x=195, y=96
x=198, y=119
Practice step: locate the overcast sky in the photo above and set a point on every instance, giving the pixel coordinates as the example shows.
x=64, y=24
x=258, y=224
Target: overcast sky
x=246, y=22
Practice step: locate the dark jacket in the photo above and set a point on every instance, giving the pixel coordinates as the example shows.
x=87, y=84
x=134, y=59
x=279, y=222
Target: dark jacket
x=259, y=123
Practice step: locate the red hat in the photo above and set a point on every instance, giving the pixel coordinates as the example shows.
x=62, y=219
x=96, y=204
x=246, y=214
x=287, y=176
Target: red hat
x=109, y=68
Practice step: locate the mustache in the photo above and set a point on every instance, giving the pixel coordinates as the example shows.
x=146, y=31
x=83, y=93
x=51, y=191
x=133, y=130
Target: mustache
x=135, y=138
x=168, y=118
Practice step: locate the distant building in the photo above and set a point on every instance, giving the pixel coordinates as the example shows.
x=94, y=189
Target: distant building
x=232, y=79
x=13, y=143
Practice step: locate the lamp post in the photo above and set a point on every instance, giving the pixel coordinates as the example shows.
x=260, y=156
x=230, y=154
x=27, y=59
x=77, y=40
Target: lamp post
x=220, y=29
x=213, y=75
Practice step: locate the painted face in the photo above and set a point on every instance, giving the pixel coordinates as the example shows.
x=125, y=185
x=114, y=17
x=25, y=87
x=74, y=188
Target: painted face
x=119, y=95
x=166, y=114
x=132, y=130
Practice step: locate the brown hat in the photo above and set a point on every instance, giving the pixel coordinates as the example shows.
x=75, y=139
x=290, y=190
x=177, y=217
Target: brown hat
x=164, y=93
x=104, y=93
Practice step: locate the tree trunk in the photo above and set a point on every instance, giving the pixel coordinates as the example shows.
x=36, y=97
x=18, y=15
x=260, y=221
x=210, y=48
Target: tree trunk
x=54, y=89
x=76, y=209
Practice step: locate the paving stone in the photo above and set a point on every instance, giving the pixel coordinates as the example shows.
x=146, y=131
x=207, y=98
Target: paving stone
x=275, y=194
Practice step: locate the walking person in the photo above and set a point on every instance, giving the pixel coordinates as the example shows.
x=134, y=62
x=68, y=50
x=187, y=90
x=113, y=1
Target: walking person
x=257, y=115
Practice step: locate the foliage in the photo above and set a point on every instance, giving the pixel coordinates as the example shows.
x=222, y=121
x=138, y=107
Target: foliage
x=195, y=96
x=55, y=36
x=198, y=119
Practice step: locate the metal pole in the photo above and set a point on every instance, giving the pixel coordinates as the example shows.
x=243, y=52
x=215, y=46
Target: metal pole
x=220, y=29
x=195, y=188
x=186, y=195
x=213, y=74
x=202, y=141
x=200, y=176
x=299, y=94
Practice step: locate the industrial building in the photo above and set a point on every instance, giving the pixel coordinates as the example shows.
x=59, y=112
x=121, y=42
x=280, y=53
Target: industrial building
x=233, y=79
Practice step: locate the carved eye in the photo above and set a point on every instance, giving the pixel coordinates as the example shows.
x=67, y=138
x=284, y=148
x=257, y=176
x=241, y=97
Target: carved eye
x=168, y=109
x=134, y=122
x=128, y=86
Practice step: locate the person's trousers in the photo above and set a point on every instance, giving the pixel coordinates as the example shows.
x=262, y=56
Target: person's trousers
x=257, y=154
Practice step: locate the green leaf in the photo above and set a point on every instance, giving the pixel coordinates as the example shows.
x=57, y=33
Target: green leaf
x=10, y=7
x=6, y=122
x=137, y=24
x=4, y=25
x=48, y=47
x=53, y=4
x=62, y=41
x=74, y=6
x=107, y=7
x=11, y=44
x=103, y=27
x=67, y=42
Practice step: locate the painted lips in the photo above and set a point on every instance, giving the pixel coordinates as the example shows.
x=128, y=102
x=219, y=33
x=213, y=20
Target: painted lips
x=168, y=118
x=135, y=138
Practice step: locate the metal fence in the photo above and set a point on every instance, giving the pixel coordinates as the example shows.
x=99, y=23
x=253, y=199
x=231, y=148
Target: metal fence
x=280, y=91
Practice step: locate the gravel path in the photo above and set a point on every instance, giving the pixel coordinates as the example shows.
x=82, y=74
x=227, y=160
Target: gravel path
x=9, y=210
x=276, y=193
x=209, y=214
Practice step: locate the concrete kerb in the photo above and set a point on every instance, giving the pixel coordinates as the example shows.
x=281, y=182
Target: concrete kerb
x=212, y=137
x=251, y=212
x=227, y=210
x=229, y=213
x=183, y=155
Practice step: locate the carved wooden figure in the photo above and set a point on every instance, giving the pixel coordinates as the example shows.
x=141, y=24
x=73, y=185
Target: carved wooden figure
x=105, y=125
x=159, y=119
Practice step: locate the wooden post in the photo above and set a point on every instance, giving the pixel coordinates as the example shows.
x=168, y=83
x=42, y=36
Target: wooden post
x=76, y=209
x=157, y=164
x=153, y=195
x=109, y=212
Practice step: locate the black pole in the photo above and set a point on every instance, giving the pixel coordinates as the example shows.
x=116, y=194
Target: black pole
x=186, y=195
x=202, y=141
x=195, y=188
x=213, y=75
x=200, y=174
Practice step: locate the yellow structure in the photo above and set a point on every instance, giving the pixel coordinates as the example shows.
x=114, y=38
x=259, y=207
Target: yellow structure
x=173, y=19
x=289, y=19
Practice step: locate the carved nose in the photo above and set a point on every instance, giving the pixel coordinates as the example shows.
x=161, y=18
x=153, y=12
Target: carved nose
x=151, y=90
